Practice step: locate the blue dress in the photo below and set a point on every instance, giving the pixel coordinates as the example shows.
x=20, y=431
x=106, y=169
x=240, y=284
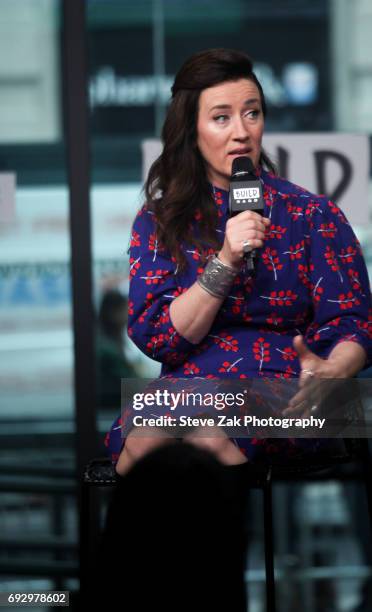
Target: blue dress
x=310, y=279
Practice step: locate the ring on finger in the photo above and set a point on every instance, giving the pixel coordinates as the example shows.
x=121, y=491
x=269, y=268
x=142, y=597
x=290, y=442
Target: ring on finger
x=247, y=247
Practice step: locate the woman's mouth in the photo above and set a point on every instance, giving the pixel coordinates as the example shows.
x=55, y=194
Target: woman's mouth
x=242, y=151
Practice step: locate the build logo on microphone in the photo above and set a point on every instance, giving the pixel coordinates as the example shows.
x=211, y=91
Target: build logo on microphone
x=246, y=194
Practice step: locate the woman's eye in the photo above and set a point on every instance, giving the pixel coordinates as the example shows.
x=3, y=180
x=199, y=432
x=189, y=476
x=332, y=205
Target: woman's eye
x=253, y=113
x=250, y=114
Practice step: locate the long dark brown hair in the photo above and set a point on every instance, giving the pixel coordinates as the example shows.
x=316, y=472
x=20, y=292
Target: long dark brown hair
x=177, y=186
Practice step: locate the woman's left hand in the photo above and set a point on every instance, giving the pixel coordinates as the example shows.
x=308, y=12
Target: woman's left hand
x=312, y=389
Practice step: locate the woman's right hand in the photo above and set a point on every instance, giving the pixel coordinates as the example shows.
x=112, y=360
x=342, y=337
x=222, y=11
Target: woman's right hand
x=247, y=225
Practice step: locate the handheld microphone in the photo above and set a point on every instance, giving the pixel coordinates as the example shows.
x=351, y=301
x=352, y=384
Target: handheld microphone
x=245, y=194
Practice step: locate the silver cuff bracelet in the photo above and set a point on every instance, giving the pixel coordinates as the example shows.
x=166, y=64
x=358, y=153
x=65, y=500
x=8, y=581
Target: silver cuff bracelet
x=217, y=278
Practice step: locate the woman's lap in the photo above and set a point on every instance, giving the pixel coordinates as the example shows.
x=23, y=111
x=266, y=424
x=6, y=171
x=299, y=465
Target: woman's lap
x=266, y=450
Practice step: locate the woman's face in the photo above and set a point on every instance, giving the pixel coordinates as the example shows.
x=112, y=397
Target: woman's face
x=230, y=124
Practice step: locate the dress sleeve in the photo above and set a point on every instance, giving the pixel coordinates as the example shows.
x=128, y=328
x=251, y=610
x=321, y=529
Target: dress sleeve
x=339, y=286
x=152, y=287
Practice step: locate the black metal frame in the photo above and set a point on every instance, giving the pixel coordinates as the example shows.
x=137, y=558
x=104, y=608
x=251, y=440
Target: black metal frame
x=76, y=121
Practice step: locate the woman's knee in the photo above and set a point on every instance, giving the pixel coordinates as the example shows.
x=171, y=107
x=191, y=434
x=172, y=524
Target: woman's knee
x=139, y=443
x=219, y=444
x=213, y=441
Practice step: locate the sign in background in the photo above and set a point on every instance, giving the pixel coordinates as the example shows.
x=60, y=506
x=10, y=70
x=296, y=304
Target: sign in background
x=290, y=50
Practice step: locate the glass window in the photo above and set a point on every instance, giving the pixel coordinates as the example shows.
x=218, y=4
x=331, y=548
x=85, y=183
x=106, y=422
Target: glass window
x=36, y=347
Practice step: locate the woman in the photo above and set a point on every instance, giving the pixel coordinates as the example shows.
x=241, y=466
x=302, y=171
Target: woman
x=192, y=305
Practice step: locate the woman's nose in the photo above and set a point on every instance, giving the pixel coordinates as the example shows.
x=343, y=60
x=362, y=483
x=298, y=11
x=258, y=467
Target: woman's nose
x=240, y=129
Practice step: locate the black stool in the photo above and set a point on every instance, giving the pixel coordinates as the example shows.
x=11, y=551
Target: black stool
x=99, y=477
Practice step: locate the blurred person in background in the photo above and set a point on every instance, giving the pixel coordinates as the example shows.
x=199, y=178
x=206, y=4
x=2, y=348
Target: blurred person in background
x=112, y=363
